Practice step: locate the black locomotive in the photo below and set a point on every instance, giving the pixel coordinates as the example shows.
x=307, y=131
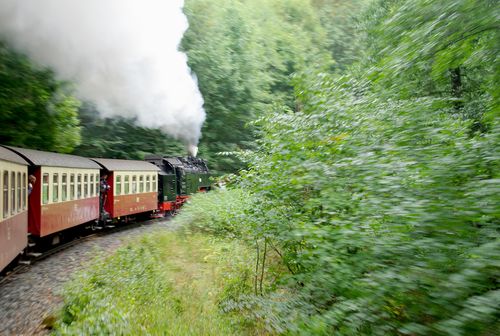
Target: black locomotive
x=178, y=178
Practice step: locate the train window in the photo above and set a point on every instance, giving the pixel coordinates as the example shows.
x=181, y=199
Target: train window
x=153, y=179
x=25, y=186
x=134, y=184
x=141, y=183
x=126, y=185
x=72, y=187
x=148, y=184
x=96, y=184
x=13, y=192
x=45, y=188
x=92, y=186
x=19, y=194
x=118, y=185
x=55, y=187
x=5, y=194
x=64, y=187
x=79, y=186
x=85, y=185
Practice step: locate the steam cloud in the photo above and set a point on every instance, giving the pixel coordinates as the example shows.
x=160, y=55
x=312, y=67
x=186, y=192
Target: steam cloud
x=122, y=55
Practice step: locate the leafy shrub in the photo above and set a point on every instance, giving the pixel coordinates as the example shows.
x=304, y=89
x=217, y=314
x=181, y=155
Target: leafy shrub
x=385, y=214
x=381, y=195
x=111, y=298
x=164, y=284
x=392, y=215
x=219, y=212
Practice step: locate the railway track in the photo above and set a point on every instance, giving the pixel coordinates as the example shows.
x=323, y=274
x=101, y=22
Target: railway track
x=24, y=266
x=29, y=293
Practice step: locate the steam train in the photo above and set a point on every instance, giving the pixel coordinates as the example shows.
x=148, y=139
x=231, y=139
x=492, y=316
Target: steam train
x=67, y=193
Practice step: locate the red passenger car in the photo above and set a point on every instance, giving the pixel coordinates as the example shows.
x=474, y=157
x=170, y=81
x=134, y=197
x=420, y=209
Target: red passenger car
x=133, y=186
x=66, y=193
x=13, y=206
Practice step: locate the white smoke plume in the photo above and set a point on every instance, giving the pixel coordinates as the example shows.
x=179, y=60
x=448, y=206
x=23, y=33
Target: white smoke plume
x=122, y=54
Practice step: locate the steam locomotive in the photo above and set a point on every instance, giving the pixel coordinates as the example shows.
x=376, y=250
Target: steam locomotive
x=68, y=193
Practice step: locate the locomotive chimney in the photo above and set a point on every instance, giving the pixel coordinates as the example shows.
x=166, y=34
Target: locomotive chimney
x=192, y=150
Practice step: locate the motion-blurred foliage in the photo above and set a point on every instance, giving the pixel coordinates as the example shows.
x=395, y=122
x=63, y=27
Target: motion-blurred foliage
x=381, y=192
x=243, y=54
x=36, y=110
x=205, y=214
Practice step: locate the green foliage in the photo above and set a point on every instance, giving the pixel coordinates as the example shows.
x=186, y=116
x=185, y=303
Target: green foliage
x=110, y=298
x=36, y=110
x=340, y=21
x=243, y=54
x=436, y=48
x=204, y=212
x=372, y=192
x=120, y=138
x=388, y=204
x=381, y=193
x=162, y=284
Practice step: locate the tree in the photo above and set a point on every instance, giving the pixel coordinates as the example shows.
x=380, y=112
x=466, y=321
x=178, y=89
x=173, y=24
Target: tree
x=121, y=138
x=341, y=21
x=440, y=49
x=244, y=54
x=36, y=110
x=380, y=195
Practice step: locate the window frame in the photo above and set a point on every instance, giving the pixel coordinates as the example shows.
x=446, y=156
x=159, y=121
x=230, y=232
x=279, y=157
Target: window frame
x=134, y=184
x=91, y=185
x=85, y=185
x=72, y=188
x=126, y=184
x=19, y=193
x=45, y=188
x=55, y=187
x=153, y=183
x=96, y=184
x=118, y=185
x=64, y=187
x=5, y=187
x=13, y=209
x=25, y=190
x=141, y=183
x=79, y=186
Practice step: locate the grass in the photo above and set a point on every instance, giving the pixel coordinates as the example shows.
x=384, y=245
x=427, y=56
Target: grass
x=167, y=284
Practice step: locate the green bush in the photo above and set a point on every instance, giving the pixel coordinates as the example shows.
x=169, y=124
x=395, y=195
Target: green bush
x=394, y=221
x=381, y=192
x=168, y=283
x=219, y=212
x=385, y=214
x=112, y=297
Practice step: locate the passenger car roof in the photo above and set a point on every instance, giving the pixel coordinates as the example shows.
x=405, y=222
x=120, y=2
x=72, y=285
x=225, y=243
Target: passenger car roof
x=41, y=158
x=125, y=165
x=8, y=155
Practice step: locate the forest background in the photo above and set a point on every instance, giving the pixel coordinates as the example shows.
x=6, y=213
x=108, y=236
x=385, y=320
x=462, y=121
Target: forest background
x=363, y=141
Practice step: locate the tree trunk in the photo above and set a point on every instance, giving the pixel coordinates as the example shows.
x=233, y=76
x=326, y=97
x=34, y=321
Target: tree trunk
x=456, y=87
